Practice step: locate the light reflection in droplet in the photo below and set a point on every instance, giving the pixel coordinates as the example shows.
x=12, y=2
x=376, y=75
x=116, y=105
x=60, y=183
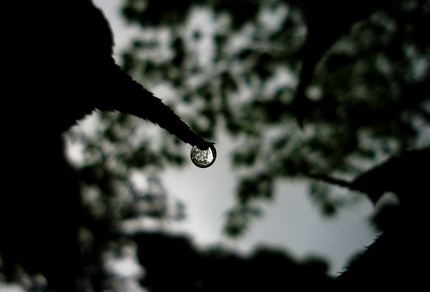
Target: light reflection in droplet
x=203, y=158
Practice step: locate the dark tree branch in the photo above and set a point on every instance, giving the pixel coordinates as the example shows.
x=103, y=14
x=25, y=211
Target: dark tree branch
x=401, y=175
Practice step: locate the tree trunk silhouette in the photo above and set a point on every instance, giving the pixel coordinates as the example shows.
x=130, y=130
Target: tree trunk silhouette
x=59, y=68
x=400, y=255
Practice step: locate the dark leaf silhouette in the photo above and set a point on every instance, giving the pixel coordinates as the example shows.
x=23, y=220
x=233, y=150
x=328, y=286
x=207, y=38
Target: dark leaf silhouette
x=60, y=68
x=401, y=175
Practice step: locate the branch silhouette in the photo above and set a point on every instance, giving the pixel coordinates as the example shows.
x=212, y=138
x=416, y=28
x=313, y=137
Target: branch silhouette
x=398, y=255
x=402, y=175
x=59, y=67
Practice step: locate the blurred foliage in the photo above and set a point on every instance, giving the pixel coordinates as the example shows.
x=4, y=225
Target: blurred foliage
x=122, y=192
x=235, y=64
x=216, y=269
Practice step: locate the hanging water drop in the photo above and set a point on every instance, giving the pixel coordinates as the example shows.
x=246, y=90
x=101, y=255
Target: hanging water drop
x=203, y=155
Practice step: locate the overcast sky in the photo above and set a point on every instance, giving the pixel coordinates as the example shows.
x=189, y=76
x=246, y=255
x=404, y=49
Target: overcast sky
x=290, y=221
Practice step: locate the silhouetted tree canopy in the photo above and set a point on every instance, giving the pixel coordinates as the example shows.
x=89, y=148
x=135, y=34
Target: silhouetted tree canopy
x=174, y=264
x=362, y=95
x=355, y=77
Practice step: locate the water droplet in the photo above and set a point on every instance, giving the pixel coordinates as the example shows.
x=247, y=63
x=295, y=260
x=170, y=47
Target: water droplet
x=203, y=158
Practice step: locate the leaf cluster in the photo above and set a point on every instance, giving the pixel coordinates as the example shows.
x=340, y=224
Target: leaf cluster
x=368, y=98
